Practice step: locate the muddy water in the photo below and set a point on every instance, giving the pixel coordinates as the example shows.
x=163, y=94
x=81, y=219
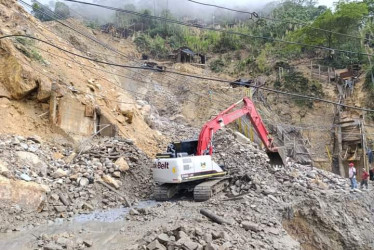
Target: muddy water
x=102, y=227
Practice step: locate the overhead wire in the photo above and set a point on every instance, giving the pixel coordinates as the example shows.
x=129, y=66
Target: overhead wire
x=219, y=30
x=70, y=26
x=51, y=16
x=195, y=76
x=296, y=22
x=133, y=79
x=200, y=77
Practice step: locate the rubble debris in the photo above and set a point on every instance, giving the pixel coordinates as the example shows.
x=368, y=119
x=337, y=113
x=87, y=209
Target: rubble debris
x=213, y=217
x=61, y=241
x=70, y=185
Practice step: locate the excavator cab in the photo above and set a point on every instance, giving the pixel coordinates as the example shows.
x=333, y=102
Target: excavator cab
x=179, y=149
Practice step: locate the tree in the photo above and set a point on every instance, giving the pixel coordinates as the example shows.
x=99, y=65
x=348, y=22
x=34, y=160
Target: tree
x=346, y=20
x=62, y=10
x=42, y=12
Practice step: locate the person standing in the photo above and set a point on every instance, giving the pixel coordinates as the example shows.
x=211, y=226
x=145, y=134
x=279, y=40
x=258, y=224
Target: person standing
x=370, y=155
x=352, y=175
x=364, y=178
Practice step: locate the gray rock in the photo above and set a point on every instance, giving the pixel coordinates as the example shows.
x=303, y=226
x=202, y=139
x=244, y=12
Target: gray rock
x=225, y=246
x=63, y=241
x=211, y=246
x=247, y=225
x=52, y=246
x=25, y=177
x=133, y=212
x=273, y=198
x=181, y=235
x=59, y=173
x=60, y=209
x=163, y=238
x=83, y=182
x=88, y=243
x=24, y=146
x=155, y=245
x=208, y=237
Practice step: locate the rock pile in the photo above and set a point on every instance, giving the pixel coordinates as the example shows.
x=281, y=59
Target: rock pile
x=62, y=241
x=188, y=238
x=270, y=207
x=112, y=173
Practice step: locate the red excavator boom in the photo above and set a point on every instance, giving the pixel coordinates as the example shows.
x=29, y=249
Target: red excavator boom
x=206, y=135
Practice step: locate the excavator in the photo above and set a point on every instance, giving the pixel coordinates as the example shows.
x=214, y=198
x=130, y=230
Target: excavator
x=188, y=165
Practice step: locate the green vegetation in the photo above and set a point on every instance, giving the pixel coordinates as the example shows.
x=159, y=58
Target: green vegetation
x=217, y=65
x=369, y=87
x=44, y=13
x=300, y=22
x=295, y=82
x=30, y=53
x=62, y=10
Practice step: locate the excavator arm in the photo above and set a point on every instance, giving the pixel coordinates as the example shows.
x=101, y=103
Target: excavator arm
x=226, y=117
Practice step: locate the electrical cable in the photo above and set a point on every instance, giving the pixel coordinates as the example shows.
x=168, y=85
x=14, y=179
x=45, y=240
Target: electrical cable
x=225, y=8
x=196, y=76
x=53, y=14
x=296, y=22
x=104, y=46
x=219, y=30
x=199, y=77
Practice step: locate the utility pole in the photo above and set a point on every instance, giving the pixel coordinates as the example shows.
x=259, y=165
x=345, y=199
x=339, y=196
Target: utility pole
x=154, y=7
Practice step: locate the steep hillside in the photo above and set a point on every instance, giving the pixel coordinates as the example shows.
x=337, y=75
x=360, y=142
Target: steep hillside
x=35, y=77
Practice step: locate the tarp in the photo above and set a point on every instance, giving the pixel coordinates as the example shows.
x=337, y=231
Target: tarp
x=188, y=51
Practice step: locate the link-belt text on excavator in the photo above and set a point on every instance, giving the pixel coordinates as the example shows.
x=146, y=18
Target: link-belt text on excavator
x=161, y=165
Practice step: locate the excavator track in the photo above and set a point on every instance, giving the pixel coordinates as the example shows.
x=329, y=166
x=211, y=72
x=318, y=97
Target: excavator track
x=165, y=192
x=205, y=190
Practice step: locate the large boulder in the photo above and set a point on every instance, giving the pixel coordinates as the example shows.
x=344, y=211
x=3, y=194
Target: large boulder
x=44, y=90
x=18, y=81
x=122, y=164
x=28, y=157
x=30, y=196
x=112, y=182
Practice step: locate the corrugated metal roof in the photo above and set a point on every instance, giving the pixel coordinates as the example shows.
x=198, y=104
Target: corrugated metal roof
x=188, y=51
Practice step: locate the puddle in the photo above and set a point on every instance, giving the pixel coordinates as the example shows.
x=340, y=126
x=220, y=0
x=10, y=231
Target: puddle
x=113, y=214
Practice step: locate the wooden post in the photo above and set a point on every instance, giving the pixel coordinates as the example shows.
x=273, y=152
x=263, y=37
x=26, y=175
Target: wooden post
x=364, y=141
x=328, y=153
x=340, y=147
x=319, y=72
x=328, y=74
x=311, y=69
x=251, y=133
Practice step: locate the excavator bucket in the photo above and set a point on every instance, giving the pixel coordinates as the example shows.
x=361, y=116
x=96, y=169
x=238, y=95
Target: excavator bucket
x=275, y=158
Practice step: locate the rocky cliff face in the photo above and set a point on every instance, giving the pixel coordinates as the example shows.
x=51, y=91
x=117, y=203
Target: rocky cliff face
x=60, y=99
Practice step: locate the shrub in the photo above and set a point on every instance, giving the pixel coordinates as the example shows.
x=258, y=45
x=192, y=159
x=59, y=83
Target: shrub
x=217, y=65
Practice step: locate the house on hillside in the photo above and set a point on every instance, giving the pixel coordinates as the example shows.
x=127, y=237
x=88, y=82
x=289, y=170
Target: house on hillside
x=186, y=55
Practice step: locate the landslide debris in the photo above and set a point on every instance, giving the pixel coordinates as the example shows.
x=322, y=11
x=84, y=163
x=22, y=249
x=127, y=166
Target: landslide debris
x=66, y=183
x=268, y=207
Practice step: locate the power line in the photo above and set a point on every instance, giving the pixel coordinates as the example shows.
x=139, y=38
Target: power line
x=219, y=30
x=50, y=15
x=297, y=22
x=53, y=14
x=268, y=89
x=195, y=76
x=225, y=8
x=120, y=75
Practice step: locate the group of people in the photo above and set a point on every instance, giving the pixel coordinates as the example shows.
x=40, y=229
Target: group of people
x=364, y=176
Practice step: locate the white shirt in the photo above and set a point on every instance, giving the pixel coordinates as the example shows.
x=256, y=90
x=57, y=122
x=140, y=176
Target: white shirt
x=351, y=173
